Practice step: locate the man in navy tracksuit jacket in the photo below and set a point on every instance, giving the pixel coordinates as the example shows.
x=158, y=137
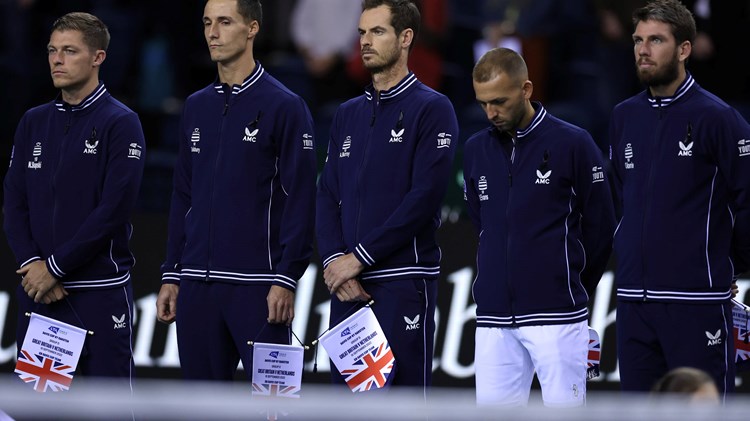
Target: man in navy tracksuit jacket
x=73, y=180
x=536, y=190
x=388, y=167
x=242, y=215
x=682, y=165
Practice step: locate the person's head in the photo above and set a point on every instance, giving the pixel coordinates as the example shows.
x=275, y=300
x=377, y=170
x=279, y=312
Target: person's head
x=503, y=89
x=77, y=47
x=230, y=27
x=695, y=383
x=663, y=37
x=387, y=30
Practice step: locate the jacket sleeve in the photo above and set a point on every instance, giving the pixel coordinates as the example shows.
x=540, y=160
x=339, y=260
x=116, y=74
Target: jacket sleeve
x=596, y=206
x=15, y=209
x=329, y=234
x=122, y=180
x=297, y=169
x=731, y=134
x=615, y=166
x=470, y=193
x=431, y=172
x=178, y=209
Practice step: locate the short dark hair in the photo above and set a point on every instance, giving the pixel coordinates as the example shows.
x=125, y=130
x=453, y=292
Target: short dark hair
x=250, y=10
x=671, y=12
x=95, y=32
x=497, y=61
x=404, y=14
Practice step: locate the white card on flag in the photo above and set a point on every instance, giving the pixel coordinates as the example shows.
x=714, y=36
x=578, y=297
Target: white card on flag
x=50, y=352
x=277, y=370
x=360, y=351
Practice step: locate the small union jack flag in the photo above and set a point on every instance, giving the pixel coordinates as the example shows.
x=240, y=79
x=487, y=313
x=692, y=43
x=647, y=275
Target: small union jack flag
x=594, y=355
x=741, y=337
x=44, y=372
x=373, y=369
x=275, y=390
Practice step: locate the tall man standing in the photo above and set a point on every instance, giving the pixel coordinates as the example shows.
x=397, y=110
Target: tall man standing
x=388, y=167
x=242, y=213
x=73, y=181
x=682, y=165
x=537, y=193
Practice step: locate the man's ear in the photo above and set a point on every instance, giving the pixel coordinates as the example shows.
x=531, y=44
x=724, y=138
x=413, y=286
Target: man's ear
x=407, y=38
x=528, y=89
x=99, y=57
x=253, y=29
x=684, y=50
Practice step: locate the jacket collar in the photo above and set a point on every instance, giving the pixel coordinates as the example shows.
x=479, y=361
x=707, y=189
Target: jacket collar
x=664, y=101
x=394, y=92
x=539, y=114
x=247, y=83
x=90, y=100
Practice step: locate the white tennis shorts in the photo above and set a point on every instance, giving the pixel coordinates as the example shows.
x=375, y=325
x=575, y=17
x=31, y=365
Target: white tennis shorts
x=505, y=360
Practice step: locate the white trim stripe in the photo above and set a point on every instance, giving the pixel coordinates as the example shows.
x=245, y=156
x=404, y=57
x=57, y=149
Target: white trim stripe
x=237, y=276
x=56, y=269
x=284, y=280
x=565, y=241
x=396, y=90
x=111, y=258
x=33, y=259
x=170, y=276
x=248, y=82
x=681, y=90
x=368, y=276
x=98, y=283
x=708, y=228
x=268, y=217
x=87, y=102
x=540, y=114
x=674, y=295
x=331, y=258
x=360, y=250
x=535, y=318
x=130, y=326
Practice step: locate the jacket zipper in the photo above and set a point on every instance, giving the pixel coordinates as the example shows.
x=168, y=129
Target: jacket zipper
x=647, y=200
x=511, y=160
x=363, y=164
x=217, y=160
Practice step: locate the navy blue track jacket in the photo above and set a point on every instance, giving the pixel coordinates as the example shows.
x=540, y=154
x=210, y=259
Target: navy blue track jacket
x=72, y=183
x=544, y=211
x=682, y=167
x=389, y=163
x=243, y=208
